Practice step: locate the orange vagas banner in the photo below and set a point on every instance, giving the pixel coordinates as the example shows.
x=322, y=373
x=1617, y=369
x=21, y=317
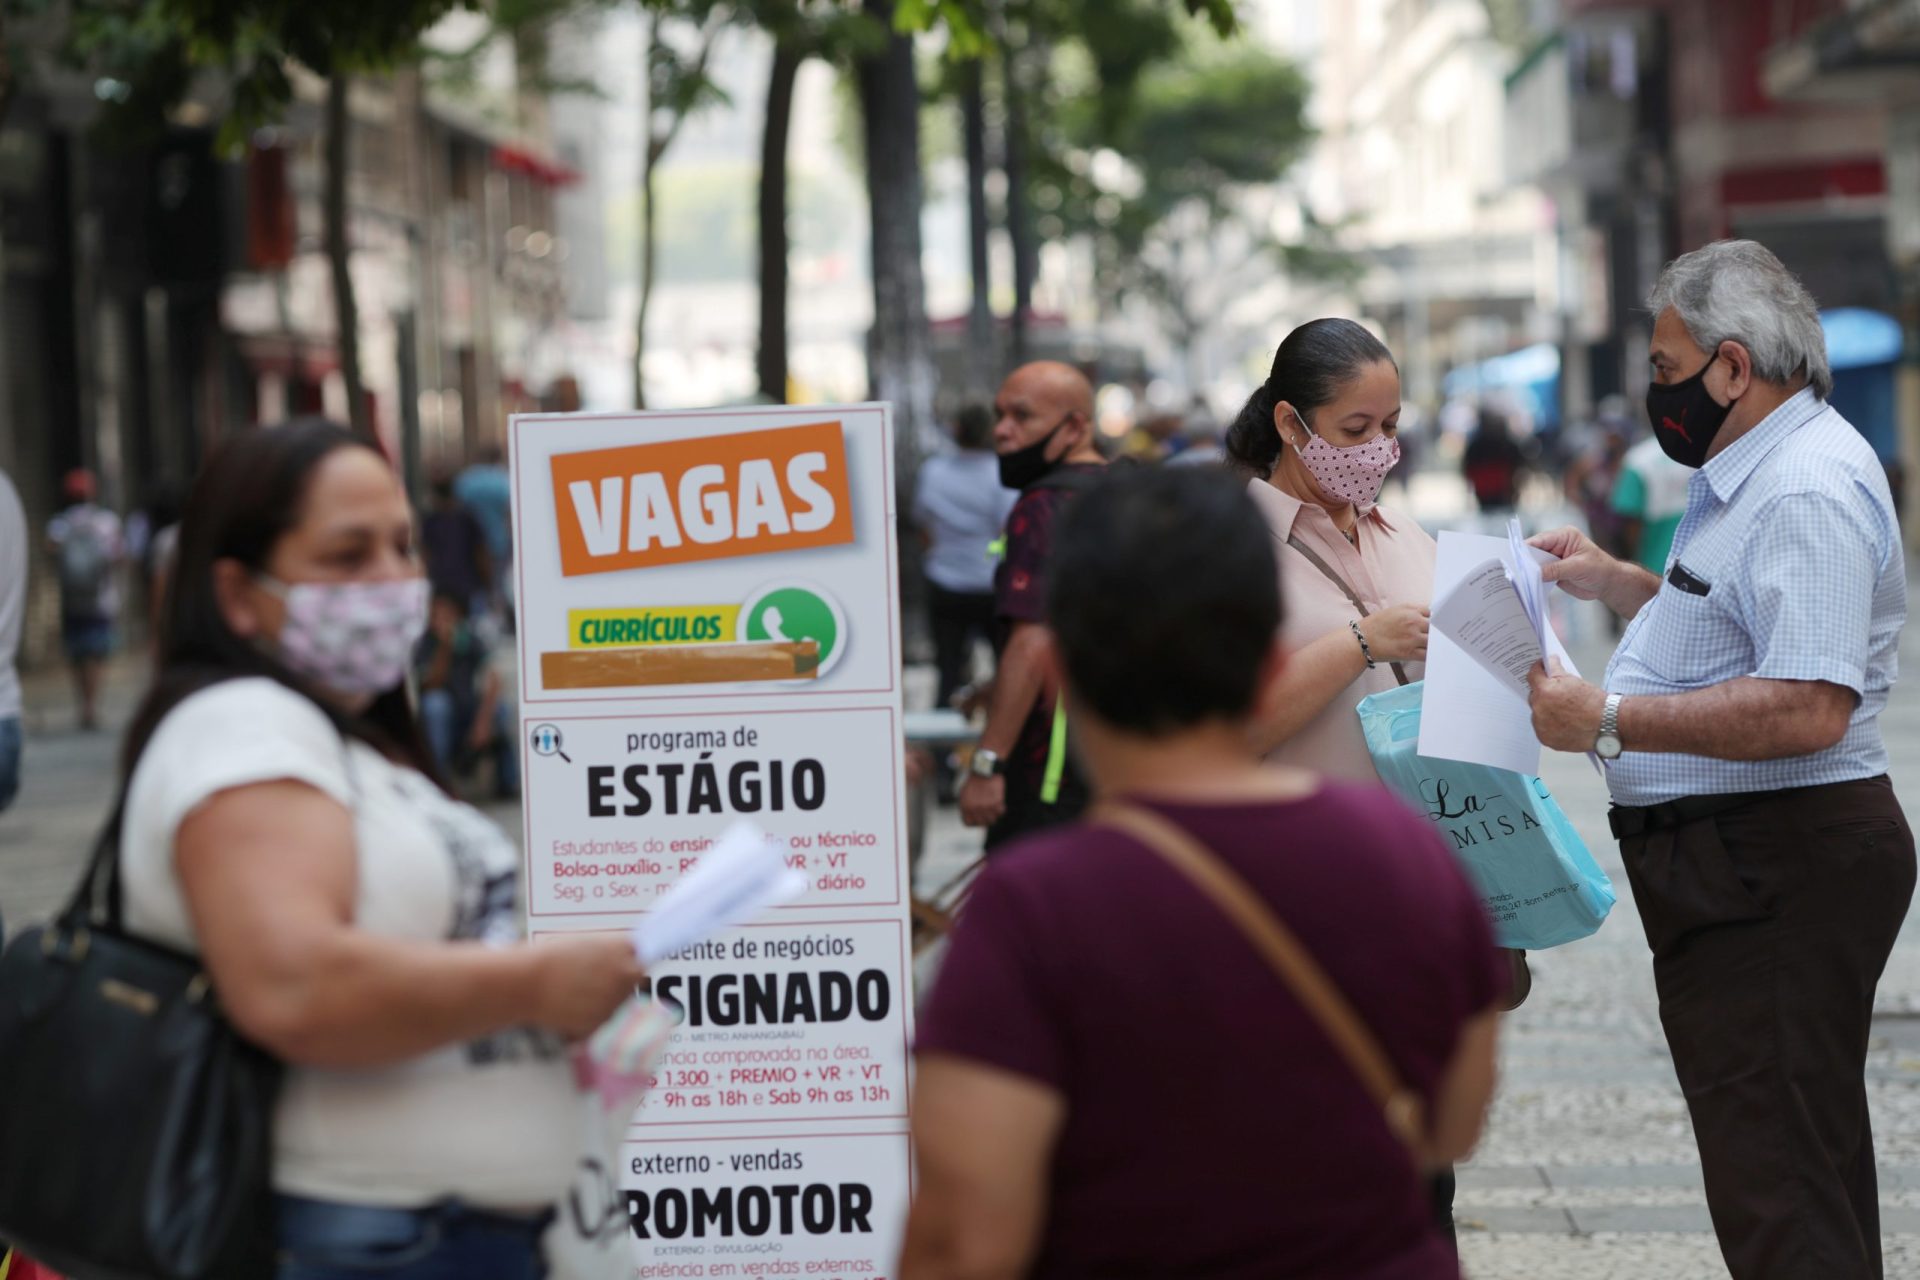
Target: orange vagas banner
x=704, y=499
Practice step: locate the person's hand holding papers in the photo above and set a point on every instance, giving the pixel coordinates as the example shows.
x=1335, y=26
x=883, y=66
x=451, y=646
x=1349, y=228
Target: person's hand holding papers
x=1566, y=709
x=1585, y=572
x=1490, y=618
x=1398, y=634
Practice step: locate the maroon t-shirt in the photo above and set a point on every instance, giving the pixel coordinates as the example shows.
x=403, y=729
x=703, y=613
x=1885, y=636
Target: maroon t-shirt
x=1212, y=1130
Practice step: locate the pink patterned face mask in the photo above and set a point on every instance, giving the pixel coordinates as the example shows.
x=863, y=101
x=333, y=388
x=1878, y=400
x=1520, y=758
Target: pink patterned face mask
x=355, y=638
x=1353, y=474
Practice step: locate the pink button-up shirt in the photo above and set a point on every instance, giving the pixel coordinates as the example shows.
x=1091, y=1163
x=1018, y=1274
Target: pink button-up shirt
x=1392, y=565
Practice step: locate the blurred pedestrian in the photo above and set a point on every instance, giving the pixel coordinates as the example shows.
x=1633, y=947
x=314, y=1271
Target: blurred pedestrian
x=88, y=549
x=1202, y=440
x=1649, y=497
x=486, y=490
x=283, y=821
x=1112, y=1080
x=1318, y=438
x=13, y=612
x=1593, y=474
x=960, y=507
x=1770, y=861
x=455, y=546
x=1022, y=776
x=1492, y=462
x=1157, y=437
x=463, y=710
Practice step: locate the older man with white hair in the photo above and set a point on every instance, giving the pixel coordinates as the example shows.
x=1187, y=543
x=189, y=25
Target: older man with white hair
x=1770, y=862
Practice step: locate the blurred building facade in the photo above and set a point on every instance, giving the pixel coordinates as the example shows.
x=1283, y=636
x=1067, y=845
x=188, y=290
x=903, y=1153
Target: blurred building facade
x=158, y=296
x=1410, y=102
x=1658, y=126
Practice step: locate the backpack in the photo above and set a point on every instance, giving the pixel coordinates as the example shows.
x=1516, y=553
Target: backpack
x=85, y=569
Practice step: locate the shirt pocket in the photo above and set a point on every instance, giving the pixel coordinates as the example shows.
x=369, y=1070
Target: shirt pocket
x=1693, y=641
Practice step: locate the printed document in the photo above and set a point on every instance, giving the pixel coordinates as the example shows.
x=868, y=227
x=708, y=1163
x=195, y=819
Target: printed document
x=1490, y=625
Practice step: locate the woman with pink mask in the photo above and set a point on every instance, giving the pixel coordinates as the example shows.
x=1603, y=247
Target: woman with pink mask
x=1317, y=440
x=285, y=821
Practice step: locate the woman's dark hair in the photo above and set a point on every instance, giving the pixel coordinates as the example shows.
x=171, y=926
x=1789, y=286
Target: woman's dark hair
x=973, y=427
x=1313, y=365
x=250, y=493
x=1163, y=597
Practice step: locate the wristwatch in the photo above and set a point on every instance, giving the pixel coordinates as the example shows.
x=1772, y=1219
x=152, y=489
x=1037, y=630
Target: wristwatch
x=986, y=763
x=1607, y=744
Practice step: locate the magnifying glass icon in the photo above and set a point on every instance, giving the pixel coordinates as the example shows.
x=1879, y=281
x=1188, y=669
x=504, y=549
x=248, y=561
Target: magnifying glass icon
x=547, y=741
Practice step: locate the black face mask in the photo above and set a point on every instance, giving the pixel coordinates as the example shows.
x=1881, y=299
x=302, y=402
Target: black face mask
x=1685, y=418
x=1024, y=466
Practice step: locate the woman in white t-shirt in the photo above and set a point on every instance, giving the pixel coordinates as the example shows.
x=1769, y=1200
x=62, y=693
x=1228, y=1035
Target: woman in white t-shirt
x=284, y=821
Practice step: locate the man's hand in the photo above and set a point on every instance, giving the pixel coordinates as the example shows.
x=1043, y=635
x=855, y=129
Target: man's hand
x=1566, y=709
x=983, y=800
x=1583, y=571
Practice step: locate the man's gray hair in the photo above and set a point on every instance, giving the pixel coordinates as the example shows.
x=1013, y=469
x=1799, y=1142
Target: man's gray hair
x=1737, y=291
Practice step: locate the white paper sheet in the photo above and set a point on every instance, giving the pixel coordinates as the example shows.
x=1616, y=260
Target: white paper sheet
x=744, y=873
x=1487, y=618
x=1467, y=712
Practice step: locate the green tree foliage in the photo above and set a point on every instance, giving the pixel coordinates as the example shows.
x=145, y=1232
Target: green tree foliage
x=146, y=54
x=1178, y=185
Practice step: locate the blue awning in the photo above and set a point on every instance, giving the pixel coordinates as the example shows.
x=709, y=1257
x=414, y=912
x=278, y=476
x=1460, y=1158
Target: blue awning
x=1859, y=339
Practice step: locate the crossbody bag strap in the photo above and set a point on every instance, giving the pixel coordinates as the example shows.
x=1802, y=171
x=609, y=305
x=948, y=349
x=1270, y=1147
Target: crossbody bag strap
x=1290, y=960
x=1314, y=559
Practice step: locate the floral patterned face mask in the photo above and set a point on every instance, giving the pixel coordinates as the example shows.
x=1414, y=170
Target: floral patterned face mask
x=354, y=638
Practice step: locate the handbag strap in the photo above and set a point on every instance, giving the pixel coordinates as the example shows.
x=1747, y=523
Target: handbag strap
x=1313, y=558
x=1291, y=962
x=99, y=898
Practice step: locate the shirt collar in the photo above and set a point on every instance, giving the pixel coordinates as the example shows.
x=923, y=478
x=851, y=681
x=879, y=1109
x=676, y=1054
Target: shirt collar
x=1282, y=509
x=1729, y=469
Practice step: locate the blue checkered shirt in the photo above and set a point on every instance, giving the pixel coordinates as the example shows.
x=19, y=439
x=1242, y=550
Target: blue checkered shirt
x=1792, y=528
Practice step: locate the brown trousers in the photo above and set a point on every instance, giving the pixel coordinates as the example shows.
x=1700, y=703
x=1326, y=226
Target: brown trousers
x=1770, y=925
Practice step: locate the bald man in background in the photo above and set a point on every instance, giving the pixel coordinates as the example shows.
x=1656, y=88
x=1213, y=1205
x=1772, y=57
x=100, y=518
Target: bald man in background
x=1021, y=780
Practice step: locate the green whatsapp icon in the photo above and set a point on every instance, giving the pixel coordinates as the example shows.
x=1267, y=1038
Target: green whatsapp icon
x=791, y=611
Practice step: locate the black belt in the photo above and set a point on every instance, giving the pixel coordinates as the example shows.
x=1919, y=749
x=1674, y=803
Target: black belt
x=1635, y=820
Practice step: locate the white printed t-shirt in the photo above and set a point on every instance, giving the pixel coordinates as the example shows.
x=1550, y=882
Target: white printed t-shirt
x=494, y=1122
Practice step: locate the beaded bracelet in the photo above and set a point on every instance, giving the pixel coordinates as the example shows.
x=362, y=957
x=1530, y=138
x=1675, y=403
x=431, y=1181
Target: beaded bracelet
x=1353, y=625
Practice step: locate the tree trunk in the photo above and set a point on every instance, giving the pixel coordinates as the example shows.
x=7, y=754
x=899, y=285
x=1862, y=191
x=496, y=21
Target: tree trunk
x=772, y=358
x=901, y=347
x=9, y=79
x=1026, y=249
x=648, y=252
x=980, y=345
x=346, y=311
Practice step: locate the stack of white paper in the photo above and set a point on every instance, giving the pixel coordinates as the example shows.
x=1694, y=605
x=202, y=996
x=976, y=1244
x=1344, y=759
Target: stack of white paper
x=1523, y=571
x=1490, y=626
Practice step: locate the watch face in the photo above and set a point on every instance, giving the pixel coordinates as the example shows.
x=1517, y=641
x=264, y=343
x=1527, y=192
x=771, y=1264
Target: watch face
x=1607, y=747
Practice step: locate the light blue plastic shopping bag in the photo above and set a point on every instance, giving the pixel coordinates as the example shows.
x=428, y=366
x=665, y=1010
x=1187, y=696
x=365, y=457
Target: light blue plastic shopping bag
x=1540, y=885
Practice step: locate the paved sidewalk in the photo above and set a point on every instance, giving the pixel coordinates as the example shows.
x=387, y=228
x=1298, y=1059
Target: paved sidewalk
x=68, y=782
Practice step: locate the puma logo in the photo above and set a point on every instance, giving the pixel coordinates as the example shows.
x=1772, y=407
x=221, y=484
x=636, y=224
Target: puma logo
x=1678, y=428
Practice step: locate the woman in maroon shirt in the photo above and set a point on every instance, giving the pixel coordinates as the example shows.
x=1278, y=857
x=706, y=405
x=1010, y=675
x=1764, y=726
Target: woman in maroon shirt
x=1112, y=1081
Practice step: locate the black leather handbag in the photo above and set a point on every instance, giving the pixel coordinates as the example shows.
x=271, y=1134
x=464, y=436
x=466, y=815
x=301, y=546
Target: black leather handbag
x=135, y=1123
